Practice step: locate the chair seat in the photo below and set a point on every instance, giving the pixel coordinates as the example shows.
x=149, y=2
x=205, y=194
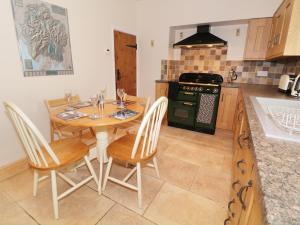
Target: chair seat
x=121, y=149
x=67, y=151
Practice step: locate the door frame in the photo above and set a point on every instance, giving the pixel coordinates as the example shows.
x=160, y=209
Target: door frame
x=127, y=31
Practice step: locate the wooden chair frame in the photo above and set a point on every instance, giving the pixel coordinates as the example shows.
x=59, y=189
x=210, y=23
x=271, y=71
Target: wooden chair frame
x=145, y=144
x=39, y=153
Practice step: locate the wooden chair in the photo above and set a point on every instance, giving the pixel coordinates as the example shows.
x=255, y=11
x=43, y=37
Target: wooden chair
x=44, y=157
x=139, y=148
x=64, y=131
x=145, y=102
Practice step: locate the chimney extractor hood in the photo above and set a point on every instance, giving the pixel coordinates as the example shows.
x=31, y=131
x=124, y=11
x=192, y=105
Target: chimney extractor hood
x=203, y=38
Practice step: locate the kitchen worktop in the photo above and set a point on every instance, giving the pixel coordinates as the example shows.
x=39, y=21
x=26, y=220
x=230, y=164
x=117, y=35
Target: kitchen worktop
x=278, y=163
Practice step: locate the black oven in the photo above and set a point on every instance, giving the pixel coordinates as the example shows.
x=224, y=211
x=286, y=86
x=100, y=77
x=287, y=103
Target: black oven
x=193, y=102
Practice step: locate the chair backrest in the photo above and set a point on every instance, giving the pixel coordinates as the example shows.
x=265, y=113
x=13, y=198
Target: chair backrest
x=148, y=133
x=34, y=143
x=59, y=102
x=145, y=102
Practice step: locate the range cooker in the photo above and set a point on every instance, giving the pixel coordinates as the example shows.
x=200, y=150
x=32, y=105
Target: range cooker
x=194, y=100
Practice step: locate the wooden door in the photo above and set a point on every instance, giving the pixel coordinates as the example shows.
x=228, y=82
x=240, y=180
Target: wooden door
x=227, y=107
x=125, y=61
x=257, y=39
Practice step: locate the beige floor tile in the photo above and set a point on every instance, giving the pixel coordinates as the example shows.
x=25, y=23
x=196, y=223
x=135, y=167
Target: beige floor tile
x=174, y=206
x=174, y=171
x=128, y=198
x=212, y=185
x=84, y=206
x=195, y=154
x=11, y=213
x=20, y=186
x=119, y=215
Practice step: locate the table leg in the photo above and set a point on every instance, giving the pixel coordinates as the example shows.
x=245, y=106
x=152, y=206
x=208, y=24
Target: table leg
x=102, y=142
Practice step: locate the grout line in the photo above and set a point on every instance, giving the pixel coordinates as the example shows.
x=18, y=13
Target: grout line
x=28, y=213
x=106, y=213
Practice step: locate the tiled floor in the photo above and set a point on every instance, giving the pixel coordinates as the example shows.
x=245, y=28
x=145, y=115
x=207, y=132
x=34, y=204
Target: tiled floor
x=193, y=189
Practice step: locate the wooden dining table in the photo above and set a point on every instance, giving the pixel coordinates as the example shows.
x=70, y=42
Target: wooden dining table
x=100, y=125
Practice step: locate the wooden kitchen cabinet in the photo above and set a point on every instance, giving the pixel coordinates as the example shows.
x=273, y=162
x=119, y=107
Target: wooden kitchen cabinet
x=227, y=107
x=257, y=39
x=284, y=39
x=245, y=205
x=161, y=89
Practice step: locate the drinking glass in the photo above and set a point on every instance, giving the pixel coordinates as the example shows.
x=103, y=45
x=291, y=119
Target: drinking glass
x=120, y=93
x=101, y=104
x=68, y=96
x=94, y=100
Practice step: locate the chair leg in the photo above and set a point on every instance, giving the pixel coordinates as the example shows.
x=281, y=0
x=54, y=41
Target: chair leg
x=100, y=173
x=91, y=169
x=107, y=172
x=115, y=131
x=139, y=184
x=35, y=182
x=54, y=193
x=156, y=166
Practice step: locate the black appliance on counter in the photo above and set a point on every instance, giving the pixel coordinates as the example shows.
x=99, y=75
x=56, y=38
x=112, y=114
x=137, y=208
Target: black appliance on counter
x=194, y=101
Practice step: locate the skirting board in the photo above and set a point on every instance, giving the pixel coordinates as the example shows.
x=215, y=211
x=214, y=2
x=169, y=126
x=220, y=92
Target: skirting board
x=13, y=169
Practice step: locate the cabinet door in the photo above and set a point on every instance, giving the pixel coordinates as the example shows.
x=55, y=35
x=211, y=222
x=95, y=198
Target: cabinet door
x=227, y=107
x=280, y=29
x=161, y=90
x=257, y=39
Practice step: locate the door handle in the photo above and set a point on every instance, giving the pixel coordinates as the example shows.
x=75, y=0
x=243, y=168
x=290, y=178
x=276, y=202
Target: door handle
x=235, y=183
x=118, y=74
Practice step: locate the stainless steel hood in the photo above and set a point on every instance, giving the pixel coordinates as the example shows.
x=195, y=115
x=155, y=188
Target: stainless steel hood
x=203, y=38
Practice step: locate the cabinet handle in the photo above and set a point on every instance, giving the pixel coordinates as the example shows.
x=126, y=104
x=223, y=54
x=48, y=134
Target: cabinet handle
x=244, y=138
x=239, y=115
x=240, y=194
x=235, y=183
x=229, y=205
x=227, y=220
x=238, y=165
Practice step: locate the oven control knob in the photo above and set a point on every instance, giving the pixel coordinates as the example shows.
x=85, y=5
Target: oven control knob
x=187, y=88
x=183, y=87
x=200, y=89
x=215, y=90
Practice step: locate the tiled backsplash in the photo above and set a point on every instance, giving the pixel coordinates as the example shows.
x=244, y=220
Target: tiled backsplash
x=213, y=60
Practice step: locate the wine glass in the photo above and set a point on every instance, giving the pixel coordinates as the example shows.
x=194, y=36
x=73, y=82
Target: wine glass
x=68, y=96
x=120, y=93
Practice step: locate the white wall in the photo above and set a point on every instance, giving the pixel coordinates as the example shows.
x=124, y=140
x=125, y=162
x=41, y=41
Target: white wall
x=155, y=17
x=91, y=23
x=236, y=44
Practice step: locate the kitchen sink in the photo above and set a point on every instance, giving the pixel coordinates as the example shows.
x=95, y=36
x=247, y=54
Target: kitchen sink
x=280, y=118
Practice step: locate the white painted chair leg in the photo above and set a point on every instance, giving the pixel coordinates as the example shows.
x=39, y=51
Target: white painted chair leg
x=35, y=182
x=156, y=166
x=100, y=174
x=107, y=172
x=91, y=169
x=54, y=193
x=139, y=184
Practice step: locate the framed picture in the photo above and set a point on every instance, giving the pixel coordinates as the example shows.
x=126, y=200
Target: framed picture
x=43, y=38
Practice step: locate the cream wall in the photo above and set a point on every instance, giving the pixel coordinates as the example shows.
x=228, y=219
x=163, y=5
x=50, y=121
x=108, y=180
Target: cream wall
x=155, y=17
x=91, y=23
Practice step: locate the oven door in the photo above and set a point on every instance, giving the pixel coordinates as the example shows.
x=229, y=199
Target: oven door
x=181, y=114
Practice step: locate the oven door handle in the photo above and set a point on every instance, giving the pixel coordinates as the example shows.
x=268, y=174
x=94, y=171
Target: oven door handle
x=189, y=93
x=188, y=103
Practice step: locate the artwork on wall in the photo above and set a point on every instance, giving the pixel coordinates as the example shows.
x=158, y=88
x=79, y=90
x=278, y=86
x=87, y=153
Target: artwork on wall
x=43, y=38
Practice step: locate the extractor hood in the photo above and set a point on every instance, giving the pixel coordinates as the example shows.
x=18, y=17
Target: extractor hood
x=203, y=38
